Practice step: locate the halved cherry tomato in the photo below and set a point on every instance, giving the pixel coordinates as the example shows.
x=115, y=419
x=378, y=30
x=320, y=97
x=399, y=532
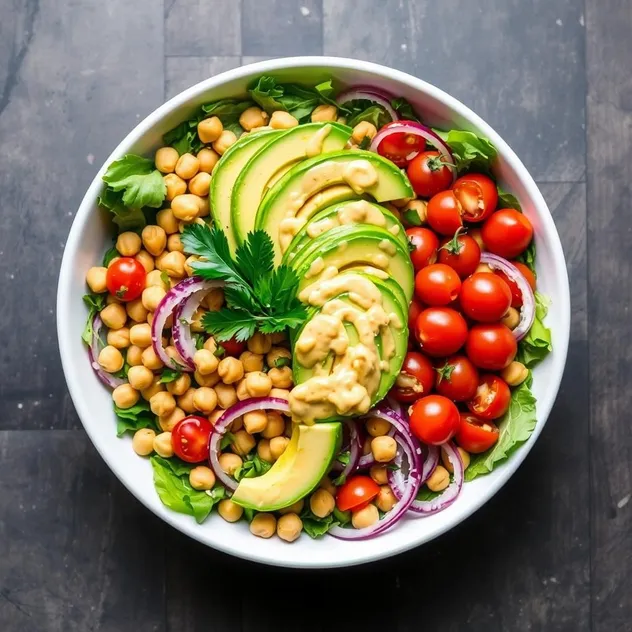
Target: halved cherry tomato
x=434, y=419
x=461, y=253
x=429, y=174
x=232, y=347
x=413, y=313
x=506, y=233
x=397, y=147
x=478, y=196
x=441, y=331
x=356, y=492
x=416, y=378
x=444, y=213
x=491, y=346
x=189, y=438
x=516, y=294
x=492, y=398
x=485, y=297
x=425, y=243
x=457, y=378
x=437, y=284
x=125, y=279
x=476, y=435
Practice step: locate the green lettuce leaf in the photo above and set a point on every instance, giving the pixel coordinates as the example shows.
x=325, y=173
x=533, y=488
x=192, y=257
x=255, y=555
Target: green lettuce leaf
x=536, y=345
x=471, y=152
x=139, y=180
x=95, y=303
x=508, y=200
x=528, y=257
x=132, y=219
x=316, y=527
x=134, y=418
x=365, y=110
x=404, y=109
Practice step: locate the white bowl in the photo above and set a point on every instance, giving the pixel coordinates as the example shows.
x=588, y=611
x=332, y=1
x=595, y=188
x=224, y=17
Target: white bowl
x=90, y=236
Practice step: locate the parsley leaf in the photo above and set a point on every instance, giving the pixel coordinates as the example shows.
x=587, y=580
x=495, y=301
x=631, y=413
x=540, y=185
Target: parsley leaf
x=252, y=467
x=279, y=363
x=95, y=303
x=344, y=457
x=226, y=440
x=229, y=323
x=169, y=375
x=255, y=256
x=142, y=184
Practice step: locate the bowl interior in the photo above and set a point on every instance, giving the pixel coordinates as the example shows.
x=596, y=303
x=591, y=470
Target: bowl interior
x=91, y=235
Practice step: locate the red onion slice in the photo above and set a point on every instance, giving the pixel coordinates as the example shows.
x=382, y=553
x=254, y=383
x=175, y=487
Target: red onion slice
x=527, y=311
x=355, y=446
x=396, y=476
x=93, y=352
x=368, y=94
x=178, y=294
x=431, y=462
x=181, y=330
x=227, y=418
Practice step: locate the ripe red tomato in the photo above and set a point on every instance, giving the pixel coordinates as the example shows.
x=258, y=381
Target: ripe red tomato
x=441, y=331
x=485, y=297
x=461, y=253
x=434, y=419
x=356, y=492
x=437, y=284
x=416, y=378
x=478, y=196
x=189, y=438
x=476, y=435
x=516, y=294
x=491, y=347
x=125, y=279
x=507, y=233
x=425, y=243
x=399, y=147
x=413, y=313
x=232, y=347
x=429, y=174
x=444, y=213
x=457, y=378
x=492, y=398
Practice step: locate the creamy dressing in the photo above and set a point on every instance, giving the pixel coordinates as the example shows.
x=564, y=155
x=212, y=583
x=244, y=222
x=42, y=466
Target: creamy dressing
x=288, y=228
x=394, y=229
x=388, y=247
x=318, y=265
x=315, y=143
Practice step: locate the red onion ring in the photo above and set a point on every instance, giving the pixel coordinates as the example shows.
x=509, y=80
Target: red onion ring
x=93, y=352
x=527, y=311
x=368, y=94
x=181, y=329
x=227, y=418
x=355, y=445
x=431, y=462
x=173, y=298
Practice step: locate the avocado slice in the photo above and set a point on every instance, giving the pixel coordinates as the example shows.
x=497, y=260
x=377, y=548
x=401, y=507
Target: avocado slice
x=328, y=197
x=363, y=171
x=297, y=472
x=292, y=145
x=226, y=173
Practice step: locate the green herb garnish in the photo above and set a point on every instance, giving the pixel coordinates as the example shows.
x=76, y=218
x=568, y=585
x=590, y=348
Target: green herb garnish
x=169, y=375
x=252, y=467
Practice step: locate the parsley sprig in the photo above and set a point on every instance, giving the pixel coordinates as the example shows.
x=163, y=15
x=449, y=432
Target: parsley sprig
x=258, y=295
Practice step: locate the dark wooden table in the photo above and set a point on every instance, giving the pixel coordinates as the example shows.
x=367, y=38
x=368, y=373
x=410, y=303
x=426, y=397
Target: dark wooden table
x=552, y=551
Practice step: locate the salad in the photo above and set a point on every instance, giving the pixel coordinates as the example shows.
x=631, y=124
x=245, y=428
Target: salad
x=318, y=314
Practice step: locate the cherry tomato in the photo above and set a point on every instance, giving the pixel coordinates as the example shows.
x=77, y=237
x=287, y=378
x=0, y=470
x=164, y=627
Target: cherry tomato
x=461, y=253
x=416, y=378
x=506, y=233
x=125, y=279
x=434, y=419
x=516, y=294
x=491, y=347
x=437, y=284
x=413, y=313
x=441, y=331
x=398, y=147
x=444, y=213
x=457, y=378
x=485, y=297
x=425, y=243
x=232, y=347
x=478, y=196
x=429, y=174
x=189, y=438
x=492, y=398
x=356, y=492
x=476, y=435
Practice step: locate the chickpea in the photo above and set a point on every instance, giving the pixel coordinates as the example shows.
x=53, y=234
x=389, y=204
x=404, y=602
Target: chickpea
x=167, y=220
x=258, y=384
x=476, y=235
x=205, y=362
x=324, y=113
x=208, y=159
x=483, y=267
x=394, y=210
x=377, y=427
x=514, y=374
x=185, y=401
x=282, y=120
x=96, y=279
x=289, y=527
x=379, y=474
x=154, y=279
x=296, y=508
x=342, y=120
x=118, y=338
x=200, y=184
x=163, y=446
x=185, y=207
x=278, y=446
x=125, y=396
x=114, y=316
x=363, y=130
x=281, y=393
x=419, y=207
x=386, y=499
x=255, y=421
x=158, y=263
x=166, y=159
x=278, y=356
x=156, y=387
x=180, y=385
x=384, y=448
x=275, y=425
x=252, y=362
x=136, y=311
x=134, y=355
x=151, y=360
x=128, y=244
x=111, y=299
x=111, y=359
x=140, y=377
x=168, y=422
x=263, y=525
x=366, y=446
x=251, y=118
x=145, y=260
x=230, y=370
x=162, y=404
x=214, y=300
x=229, y=462
x=174, y=243
x=365, y=517
x=226, y=139
x=197, y=325
x=210, y=344
x=465, y=459
x=263, y=450
x=154, y=239
x=215, y=415
x=321, y=503
x=244, y=442
x=439, y=479
x=511, y=319
x=151, y=297
x=202, y=477
x=140, y=335
x=113, y=260
x=241, y=391
x=289, y=428
x=210, y=380
x=187, y=166
x=173, y=264
x=281, y=378
x=188, y=264
x=260, y=344
x=205, y=400
x=143, y=441
x=228, y=510
x=210, y=129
